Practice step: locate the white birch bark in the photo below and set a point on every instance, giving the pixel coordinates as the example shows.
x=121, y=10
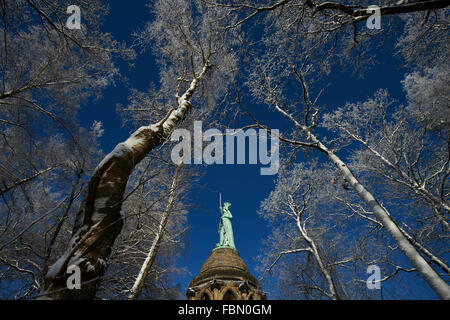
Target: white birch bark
x=151, y=256
x=439, y=286
x=426, y=252
x=409, y=181
x=315, y=252
x=99, y=222
x=420, y=247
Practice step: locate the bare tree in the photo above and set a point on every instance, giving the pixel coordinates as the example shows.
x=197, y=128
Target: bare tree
x=396, y=150
x=144, y=209
x=191, y=51
x=293, y=198
x=303, y=40
x=268, y=87
x=36, y=214
x=150, y=258
x=402, y=151
x=314, y=251
x=47, y=71
x=333, y=32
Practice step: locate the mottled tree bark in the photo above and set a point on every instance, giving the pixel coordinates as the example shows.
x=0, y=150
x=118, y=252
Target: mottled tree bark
x=98, y=223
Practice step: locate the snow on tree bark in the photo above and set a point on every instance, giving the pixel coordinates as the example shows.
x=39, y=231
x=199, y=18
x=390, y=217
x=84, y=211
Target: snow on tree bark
x=439, y=286
x=99, y=222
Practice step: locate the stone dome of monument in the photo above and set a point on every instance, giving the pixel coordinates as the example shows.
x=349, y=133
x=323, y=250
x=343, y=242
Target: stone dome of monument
x=224, y=264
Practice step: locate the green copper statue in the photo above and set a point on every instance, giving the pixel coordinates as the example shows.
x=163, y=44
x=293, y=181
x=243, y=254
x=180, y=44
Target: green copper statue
x=226, y=238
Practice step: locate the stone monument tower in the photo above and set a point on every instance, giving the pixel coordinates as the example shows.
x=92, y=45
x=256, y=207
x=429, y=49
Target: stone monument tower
x=224, y=275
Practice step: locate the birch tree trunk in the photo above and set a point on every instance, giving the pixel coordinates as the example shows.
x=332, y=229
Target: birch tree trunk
x=151, y=256
x=313, y=249
x=99, y=222
x=439, y=286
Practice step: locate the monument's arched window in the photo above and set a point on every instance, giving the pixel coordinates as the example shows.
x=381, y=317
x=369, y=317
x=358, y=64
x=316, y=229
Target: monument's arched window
x=229, y=296
x=205, y=296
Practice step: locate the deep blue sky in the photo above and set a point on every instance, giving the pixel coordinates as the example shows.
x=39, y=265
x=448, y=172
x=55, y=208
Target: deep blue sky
x=241, y=185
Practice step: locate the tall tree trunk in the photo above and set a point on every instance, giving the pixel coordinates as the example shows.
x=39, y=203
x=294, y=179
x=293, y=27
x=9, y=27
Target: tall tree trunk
x=151, y=256
x=99, y=222
x=439, y=286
